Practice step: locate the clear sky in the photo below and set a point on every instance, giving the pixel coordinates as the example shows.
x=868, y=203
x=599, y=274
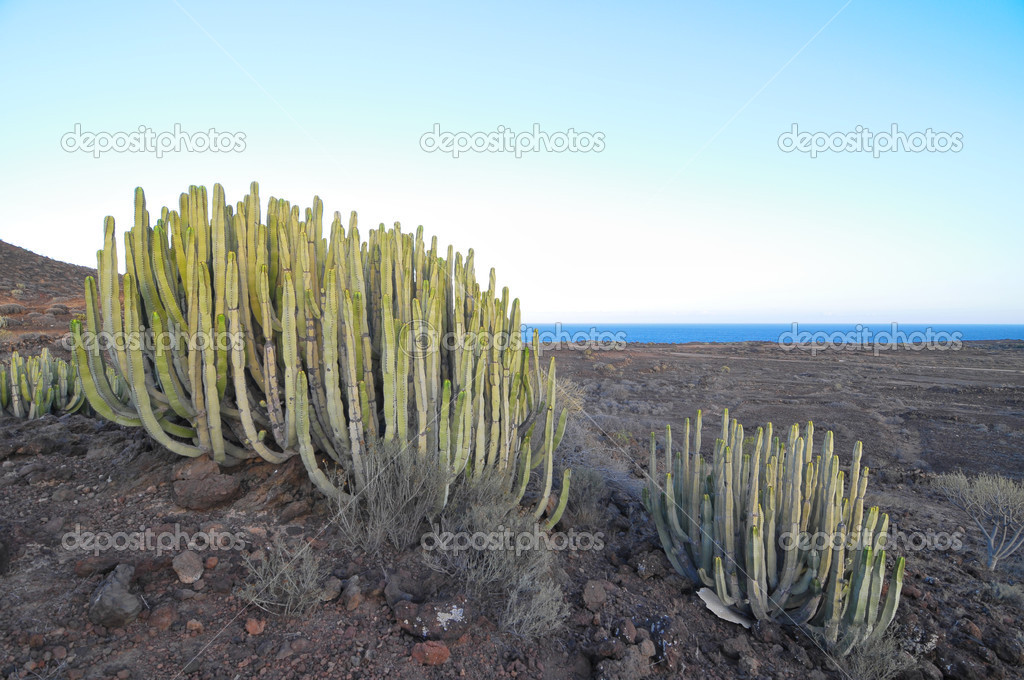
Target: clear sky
x=689, y=213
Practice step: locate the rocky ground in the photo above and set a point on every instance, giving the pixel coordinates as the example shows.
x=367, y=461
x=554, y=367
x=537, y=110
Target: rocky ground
x=63, y=608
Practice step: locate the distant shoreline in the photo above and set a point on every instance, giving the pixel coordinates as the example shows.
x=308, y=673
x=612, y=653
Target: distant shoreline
x=935, y=336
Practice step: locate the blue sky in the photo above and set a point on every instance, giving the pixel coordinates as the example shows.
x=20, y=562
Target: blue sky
x=690, y=212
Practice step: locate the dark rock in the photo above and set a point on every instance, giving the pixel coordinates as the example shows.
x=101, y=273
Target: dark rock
x=1008, y=648
x=749, y=665
x=113, y=605
x=955, y=665
x=293, y=511
x=912, y=591
x=352, y=596
x=737, y=646
x=609, y=649
x=202, y=494
x=581, y=666
x=766, y=631
x=446, y=620
x=632, y=665
x=63, y=495
x=188, y=566
x=97, y=564
x=431, y=652
x=799, y=654
x=970, y=629
x=151, y=565
x=221, y=582
x=163, y=616
x=394, y=594
x=38, y=446
x=331, y=589
x=196, y=468
x=595, y=595
x=27, y=470
x=650, y=564
x=628, y=631
x=985, y=654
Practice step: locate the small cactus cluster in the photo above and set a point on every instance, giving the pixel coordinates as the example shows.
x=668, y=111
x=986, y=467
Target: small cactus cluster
x=737, y=522
x=240, y=337
x=31, y=387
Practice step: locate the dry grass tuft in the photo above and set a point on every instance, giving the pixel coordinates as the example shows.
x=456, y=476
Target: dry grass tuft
x=879, y=659
x=285, y=582
x=401, y=494
x=588, y=495
x=534, y=602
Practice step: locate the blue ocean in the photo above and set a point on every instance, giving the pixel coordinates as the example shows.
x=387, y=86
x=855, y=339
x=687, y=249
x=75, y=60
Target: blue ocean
x=784, y=333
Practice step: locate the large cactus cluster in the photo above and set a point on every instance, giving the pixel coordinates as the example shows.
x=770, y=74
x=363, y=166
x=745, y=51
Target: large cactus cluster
x=247, y=337
x=776, y=531
x=31, y=387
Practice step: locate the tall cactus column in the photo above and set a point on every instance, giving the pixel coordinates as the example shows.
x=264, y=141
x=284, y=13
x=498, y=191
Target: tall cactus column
x=240, y=333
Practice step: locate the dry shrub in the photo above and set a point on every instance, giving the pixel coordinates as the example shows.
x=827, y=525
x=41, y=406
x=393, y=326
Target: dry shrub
x=285, y=582
x=1008, y=593
x=401, y=493
x=588, y=494
x=534, y=604
x=582, y=449
x=879, y=659
x=995, y=504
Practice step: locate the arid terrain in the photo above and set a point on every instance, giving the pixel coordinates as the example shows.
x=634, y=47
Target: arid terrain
x=918, y=413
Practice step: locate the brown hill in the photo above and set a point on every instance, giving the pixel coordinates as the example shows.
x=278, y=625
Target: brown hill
x=38, y=298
